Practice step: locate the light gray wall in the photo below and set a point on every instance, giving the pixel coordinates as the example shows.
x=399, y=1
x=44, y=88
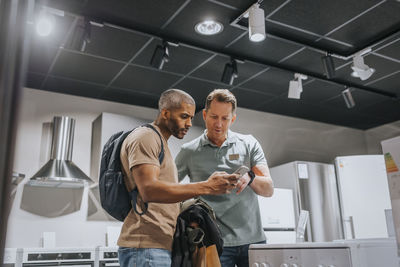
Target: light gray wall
x=283, y=139
x=25, y=229
x=286, y=139
x=376, y=135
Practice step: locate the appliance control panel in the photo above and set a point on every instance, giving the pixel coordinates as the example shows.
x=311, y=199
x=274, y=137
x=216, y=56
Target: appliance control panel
x=300, y=257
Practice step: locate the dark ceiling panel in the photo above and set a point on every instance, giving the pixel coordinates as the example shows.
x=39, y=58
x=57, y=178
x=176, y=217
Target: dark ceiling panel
x=270, y=50
x=86, y=68
x=197, y=89
x=240, y=5
x=128, y=97
x=366, y=28
x=181, y=59
x=318, y=91
x=348, y=118
x=41, y=57
x=330, y=46
x=322, y=16
x=147, y=14
x=273, y=81
x=361, y=98
x=72, y=87
x=34, y=80
x=250, y=98
x=390, y=84
x=196, y=11
x=258, y=87
x=114, y=43
x=214, y=69
x=295, y=108
x=310, y=61
x=392, y=50
x=145, y=80
x=387, y=109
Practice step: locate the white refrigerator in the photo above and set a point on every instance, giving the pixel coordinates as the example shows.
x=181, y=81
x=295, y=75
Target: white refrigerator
x=346, y=200
x=364, y=195
x=314, y=189
x=391, y=151
x=278, y=217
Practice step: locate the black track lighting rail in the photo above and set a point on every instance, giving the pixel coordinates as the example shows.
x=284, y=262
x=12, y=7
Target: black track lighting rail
x=390, y=34
x=157, y=34
x=206, y=48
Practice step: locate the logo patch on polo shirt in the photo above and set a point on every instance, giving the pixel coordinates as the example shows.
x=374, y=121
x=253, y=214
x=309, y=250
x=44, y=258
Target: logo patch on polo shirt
x=233, y=156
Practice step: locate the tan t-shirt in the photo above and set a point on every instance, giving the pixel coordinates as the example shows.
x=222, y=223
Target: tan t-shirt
x=154, y=229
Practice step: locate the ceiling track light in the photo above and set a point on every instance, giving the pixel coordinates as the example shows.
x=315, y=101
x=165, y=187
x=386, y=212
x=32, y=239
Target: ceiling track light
x=360, y=69
x=329, y=66
x=296, y=86
x=81, y=35
x=348, y=98
x=256, y=23
x=279, y=66
x=230, y=72
x=160, y=56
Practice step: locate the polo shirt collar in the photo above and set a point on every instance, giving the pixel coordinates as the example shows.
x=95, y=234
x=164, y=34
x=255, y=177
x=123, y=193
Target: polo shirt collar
x=204, y=141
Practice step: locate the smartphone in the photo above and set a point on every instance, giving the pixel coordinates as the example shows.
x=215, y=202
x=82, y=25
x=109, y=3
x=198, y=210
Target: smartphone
x=242, y=170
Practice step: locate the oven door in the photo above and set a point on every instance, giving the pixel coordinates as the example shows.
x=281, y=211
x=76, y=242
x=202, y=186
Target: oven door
x=113, y=263
x=56, y=264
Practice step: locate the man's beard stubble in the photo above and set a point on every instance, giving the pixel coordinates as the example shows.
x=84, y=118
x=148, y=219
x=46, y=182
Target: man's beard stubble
x=174, y=128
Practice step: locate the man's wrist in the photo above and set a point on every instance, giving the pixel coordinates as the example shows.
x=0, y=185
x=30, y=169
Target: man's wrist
x=252, y=175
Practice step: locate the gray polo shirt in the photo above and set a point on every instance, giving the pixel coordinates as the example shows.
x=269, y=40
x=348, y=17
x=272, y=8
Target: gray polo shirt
x=238, y=216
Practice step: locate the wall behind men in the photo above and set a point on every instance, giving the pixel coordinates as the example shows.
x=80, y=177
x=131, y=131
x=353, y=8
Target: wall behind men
x=283, y=139
x=25, y=229
x=375, y=136
x=286, y=139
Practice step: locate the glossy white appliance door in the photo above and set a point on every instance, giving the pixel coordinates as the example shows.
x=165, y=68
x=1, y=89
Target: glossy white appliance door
x=277, y=212
x=364, y=195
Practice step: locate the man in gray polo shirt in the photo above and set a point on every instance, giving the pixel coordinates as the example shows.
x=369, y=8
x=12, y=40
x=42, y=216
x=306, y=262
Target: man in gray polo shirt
x=220, y=149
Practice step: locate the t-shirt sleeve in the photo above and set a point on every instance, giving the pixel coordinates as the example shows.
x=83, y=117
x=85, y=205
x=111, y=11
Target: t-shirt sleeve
x=143, y=147
x=256, y=153
x=181, y=162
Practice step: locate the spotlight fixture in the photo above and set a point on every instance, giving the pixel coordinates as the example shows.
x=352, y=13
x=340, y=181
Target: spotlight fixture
x=46, y=20
x=296, y=86
x=360, y=69
x=160, y=56
x=348, y=98
x=230, y=72
x=45, y=25
x=329, y=66
x=208, y=27
x=256, y=23
x=81, y=35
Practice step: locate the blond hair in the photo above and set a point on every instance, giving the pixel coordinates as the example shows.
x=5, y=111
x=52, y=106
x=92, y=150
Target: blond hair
x=221, y=95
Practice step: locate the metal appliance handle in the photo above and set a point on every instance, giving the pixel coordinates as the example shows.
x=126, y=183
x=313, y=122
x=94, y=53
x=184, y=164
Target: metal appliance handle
x=350, y=220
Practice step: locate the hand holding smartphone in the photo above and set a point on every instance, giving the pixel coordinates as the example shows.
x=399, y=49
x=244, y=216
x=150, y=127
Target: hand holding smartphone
x=242, y=170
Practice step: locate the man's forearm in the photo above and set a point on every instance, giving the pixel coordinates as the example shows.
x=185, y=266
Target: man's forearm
x=263, y=186
x=164, y=192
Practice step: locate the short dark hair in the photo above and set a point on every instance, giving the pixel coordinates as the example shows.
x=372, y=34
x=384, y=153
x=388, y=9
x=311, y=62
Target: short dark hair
x=173, y=98
x=221, y=95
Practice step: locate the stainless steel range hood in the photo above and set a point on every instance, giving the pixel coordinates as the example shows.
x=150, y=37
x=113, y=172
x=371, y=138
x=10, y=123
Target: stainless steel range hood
x=60, y=171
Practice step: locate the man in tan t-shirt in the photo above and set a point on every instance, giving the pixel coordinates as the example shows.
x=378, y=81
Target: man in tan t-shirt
x=147, y=240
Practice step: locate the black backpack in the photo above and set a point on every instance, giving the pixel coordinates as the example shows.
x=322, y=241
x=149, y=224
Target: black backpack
x=114, y=196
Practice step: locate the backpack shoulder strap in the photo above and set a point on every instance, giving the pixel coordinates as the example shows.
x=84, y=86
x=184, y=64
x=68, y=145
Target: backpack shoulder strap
x=160, y=159
x=161, y=155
